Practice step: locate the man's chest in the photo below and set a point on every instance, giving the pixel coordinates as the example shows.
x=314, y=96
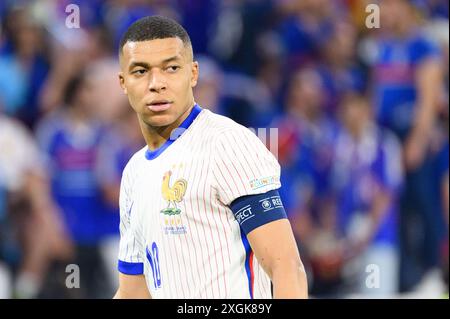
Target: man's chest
x=174, y=197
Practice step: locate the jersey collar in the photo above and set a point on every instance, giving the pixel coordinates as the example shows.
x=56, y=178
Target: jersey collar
x=151, y=155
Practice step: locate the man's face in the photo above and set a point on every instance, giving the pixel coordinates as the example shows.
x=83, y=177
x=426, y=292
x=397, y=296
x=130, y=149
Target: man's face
x=392, y=13
x=158, y=77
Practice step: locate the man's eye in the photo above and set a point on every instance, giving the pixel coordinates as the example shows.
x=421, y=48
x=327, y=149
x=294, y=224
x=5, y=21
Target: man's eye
x=139, y=71
x=173, y=68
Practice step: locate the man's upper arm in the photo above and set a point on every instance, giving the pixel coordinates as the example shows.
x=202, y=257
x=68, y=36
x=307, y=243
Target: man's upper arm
x=274, y=245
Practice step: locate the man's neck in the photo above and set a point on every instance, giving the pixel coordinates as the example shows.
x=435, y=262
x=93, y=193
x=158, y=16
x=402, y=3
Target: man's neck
x=155, y=137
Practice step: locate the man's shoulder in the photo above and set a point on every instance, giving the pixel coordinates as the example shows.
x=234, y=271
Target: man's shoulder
x=217, y=125
x=231, y=137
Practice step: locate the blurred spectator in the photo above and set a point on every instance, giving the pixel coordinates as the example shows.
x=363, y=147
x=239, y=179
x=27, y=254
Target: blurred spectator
x=109, y=100
x=270, y=66
x=340, y=69
x=75, y=49
x=365, y=182
x=304, y=29
x=305, y=137
x=31, y=233
x=437, y=29
x=443, y=179
x=406, y=82
x=24, y=64
x=70, y=138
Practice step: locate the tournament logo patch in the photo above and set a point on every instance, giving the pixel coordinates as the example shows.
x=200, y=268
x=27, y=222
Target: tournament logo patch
x=263, y=182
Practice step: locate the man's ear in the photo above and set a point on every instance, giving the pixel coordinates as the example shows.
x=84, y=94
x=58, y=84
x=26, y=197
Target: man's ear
x=195, y=72
x=122, y=82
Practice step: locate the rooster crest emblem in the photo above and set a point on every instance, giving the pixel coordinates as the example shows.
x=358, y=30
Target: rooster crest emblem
x=172, y=195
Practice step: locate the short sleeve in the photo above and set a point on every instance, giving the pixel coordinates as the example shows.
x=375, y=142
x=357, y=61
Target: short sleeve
x=130, y=248
x=243, y=166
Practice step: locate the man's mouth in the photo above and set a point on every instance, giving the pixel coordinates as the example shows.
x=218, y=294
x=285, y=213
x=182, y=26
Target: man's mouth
x=159, y=105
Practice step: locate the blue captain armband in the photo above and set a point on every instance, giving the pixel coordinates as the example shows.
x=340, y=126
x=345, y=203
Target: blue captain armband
x=256, y=210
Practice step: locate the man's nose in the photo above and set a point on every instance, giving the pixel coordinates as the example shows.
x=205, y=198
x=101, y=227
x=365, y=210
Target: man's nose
x=157, y=82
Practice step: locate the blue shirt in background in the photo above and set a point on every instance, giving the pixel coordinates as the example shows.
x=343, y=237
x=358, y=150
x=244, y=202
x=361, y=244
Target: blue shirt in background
x=73, y=159
x=359, y=168
x=395, y=91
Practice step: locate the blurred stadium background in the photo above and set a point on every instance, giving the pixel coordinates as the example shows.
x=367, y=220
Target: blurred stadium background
x=362, y=119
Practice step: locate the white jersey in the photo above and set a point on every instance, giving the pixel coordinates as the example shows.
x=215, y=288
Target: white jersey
x=176, y=226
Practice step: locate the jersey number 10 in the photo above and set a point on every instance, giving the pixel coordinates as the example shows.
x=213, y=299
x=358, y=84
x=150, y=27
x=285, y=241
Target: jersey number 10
x=153, y=258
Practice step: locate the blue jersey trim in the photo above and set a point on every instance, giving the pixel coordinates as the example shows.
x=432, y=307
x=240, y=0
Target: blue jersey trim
x=248, y=266
x=151, y=155
x=128, y=268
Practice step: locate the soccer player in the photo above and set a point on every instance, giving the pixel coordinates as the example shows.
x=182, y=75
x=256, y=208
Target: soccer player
x=200, y=213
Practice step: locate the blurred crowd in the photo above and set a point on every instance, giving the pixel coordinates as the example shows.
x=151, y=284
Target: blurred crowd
x=361, y=116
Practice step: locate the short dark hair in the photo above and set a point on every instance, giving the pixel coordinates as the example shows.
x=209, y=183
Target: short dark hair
x=154, y=27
